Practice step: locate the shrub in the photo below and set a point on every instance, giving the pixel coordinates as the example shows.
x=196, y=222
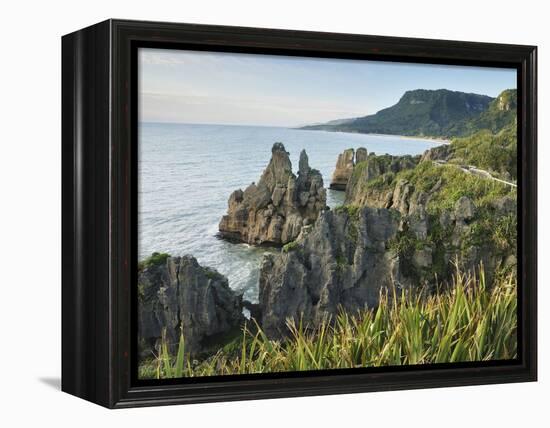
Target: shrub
x=291, y=246
x=154, y=260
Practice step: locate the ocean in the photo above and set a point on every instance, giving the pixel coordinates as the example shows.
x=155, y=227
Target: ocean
x=187, y=172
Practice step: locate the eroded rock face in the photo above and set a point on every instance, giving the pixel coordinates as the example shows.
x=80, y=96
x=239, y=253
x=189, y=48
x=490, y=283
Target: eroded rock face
x=373, y=167
x=361, y=155
x=342, y=262
x=179, y=293
x=343, y=170
x=439, y=153
x=350, y=254
x=274, y=211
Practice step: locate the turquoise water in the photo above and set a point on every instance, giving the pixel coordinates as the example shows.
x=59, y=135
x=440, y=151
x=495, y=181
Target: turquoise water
x=187, y=172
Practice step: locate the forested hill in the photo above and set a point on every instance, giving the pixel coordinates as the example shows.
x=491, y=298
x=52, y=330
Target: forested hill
x=434, y=113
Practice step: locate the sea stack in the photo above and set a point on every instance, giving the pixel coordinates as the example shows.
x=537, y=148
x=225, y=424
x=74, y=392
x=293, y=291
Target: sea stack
x=273, y=211
x=343, y=170
x=344, y=167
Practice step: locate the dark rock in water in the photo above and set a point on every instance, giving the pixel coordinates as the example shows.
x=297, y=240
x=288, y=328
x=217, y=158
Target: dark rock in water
x=179, y=293
x=342, y=262
x=274, y=211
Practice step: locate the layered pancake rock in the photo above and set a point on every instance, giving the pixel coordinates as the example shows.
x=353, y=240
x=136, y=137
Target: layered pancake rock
x=178, y=294
x=392, y=234
x=275, y=210
x=344, y=167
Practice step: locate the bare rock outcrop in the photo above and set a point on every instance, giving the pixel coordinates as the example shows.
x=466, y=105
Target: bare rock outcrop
x=439, y=153
x=274, y=211
x=177, y=293
x=342, y=263
x=374, y=166
x=356, y=167
x=344, y=260
x=343, y=170
x=347, y=160
x=361, y=155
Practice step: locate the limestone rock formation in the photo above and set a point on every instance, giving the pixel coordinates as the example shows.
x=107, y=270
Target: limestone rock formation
x=343, y=170
x=373, y=167
x=341, y=263
x=347, y=160
x=439, y=153
x=351, y=253
x=179, y=293
x=274, y=211
x=361, y=155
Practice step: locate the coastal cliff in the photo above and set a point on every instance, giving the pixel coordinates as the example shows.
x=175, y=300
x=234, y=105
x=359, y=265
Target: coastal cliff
x=177, y=293
x=340, y=263
x=404, y=225
x=275, y=210
x=374, y=166
x=345, y=165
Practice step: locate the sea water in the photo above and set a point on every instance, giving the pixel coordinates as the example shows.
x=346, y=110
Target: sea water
x=187, y=172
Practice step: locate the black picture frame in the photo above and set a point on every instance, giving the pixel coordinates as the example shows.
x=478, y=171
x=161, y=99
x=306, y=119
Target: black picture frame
x=99, y=212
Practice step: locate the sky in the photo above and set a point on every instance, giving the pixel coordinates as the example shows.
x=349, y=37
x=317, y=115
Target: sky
x=268, y=90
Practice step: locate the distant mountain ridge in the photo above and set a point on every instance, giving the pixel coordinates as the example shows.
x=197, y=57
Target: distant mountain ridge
x=434, y=113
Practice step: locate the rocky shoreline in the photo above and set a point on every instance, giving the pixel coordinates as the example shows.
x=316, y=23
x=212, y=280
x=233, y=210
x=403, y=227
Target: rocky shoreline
x=389, y=235
x=177, y=294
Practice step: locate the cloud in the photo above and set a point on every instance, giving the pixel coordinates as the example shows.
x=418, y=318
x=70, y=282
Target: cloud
x=245, y=110
x=210, y=87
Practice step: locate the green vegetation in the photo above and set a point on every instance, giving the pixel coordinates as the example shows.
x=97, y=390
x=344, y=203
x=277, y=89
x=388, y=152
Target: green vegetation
x=212, y=274
x=505, y=232
x=500, y=234
x=291, y=246
x=341, y=261
x=420, y=112
x=496, y=153
x=446, y=184
x=438, y=113
x=501, y=113
x=154, y=260
x=404, y=245
x=453, y=183
x=467, y=321
x=351, y=210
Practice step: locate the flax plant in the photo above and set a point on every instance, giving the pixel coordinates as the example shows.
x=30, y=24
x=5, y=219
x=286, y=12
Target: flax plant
x=465, y=321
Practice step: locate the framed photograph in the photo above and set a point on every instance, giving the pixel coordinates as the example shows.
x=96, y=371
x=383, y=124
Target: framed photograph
x=253, y=213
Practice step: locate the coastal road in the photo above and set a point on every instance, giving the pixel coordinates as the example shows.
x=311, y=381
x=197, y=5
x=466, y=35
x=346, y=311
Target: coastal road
x=470, y=169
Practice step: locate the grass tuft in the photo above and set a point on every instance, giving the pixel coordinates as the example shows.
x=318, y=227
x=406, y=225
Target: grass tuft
x=467, y=321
